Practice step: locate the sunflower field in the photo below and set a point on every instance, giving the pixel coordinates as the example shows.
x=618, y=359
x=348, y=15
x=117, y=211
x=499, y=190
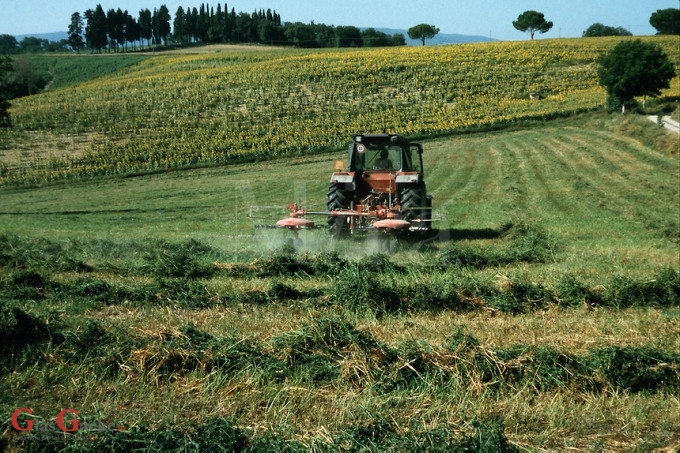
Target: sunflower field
x=174, y=111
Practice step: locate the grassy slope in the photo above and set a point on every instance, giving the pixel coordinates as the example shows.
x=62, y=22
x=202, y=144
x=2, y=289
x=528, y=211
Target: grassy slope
x=69, y=69
x=610, y=202
x=604, y=188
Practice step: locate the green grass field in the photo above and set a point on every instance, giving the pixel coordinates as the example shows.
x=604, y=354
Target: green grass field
x=553, y=268
x=541, y=314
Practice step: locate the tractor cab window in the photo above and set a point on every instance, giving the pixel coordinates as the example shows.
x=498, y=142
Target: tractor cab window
x=415, y=160
x=383, y=161
x=378, y=155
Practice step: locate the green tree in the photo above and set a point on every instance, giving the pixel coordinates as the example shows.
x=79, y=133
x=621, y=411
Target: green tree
x=666, y=21
x=8, y=44
x=132, y=30
x=75, y=32
x=95, y=30
x=374, y=38
x=202, y=24
x=300, y=34
x=422, y=32
x=115, y=24
x=145, y=26
x=24, y=80
x=269, y=32
x=161, y=24
x=31, y=44
x=180, y=26
x=5, y=71
x=397, y=39
x=532, y=21
x=348, y=36
x=244, y=28
x=227, y=23
x=598, y=29
x=634, y=68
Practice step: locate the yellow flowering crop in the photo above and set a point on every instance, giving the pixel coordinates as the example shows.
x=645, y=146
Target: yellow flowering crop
x=172, y=111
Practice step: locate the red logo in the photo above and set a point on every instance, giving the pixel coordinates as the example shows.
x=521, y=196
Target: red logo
x=15, y=420
x=67, y=426
x=60, y=421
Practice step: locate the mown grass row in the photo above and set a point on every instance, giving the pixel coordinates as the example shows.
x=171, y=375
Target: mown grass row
x=189, y=274
x=357, y=291
x=90, y=315
x=223, y=434
x=327, y=351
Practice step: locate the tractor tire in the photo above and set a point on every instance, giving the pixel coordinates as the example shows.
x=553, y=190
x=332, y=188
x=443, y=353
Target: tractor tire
x=338, y=198
x=415, y=204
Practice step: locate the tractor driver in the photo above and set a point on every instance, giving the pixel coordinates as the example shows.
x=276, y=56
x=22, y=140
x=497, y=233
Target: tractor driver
x=384, y=163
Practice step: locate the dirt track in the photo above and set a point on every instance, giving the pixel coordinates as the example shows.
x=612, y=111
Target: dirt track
x=213, y=48
x=666, y=122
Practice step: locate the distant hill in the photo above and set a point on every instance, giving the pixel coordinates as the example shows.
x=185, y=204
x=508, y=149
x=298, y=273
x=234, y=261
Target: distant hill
x=55, y=37
x=440, y=38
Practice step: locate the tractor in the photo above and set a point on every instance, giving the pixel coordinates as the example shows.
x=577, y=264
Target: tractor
x=381, y=188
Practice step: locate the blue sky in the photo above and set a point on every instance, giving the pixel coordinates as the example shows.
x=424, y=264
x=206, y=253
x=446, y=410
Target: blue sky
x=469, y=17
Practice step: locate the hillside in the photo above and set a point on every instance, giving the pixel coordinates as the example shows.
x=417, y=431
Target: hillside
x=55, y=36
x=439, y=38
x=542, y=313
x=553, y=266
x=175, y=111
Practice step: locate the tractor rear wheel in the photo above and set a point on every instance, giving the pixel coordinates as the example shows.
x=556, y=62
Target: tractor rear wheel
x=338, y=198
x=415, y=204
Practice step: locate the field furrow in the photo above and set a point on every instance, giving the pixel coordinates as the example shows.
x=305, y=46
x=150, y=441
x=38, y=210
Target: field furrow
x=467, y=191
x=613, y=178
x=552, y=186
x=516, y=181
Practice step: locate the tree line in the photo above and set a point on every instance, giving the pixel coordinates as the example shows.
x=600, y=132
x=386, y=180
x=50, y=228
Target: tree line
x=117, y=30
x=665, y=21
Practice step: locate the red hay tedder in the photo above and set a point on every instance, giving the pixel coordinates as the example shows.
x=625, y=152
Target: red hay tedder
x=381, y=189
